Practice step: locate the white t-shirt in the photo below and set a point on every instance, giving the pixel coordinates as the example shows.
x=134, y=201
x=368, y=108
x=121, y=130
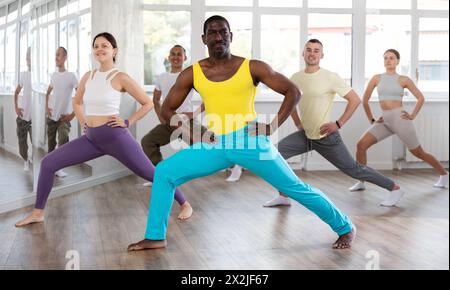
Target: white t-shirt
x=24, y=101
x=60, y=101
x=165, y=82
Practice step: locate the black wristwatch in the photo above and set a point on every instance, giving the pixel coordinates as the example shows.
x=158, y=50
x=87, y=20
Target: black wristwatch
x=339, y=125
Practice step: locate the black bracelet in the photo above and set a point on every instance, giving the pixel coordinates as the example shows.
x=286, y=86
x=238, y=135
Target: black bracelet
x=373, y=121
x=339, y=125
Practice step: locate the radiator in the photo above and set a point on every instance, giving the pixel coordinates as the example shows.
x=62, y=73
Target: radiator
x=433, y=135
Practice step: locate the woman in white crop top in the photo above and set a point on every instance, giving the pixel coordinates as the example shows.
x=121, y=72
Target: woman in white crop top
x=395, y=119
x=96, y=105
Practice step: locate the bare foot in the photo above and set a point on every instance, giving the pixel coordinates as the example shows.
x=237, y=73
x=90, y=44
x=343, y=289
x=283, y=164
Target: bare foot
x=147, y=245
x=37, y=216
x=345, y=241
x=186, y=211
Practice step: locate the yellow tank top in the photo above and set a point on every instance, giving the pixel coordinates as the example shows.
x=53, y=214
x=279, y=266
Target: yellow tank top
x=230, y=104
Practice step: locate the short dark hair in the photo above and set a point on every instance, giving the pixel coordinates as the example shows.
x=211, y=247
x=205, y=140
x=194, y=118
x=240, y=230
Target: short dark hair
x=397, y=54
x=179, y=46
x=63, y=49
x=213, y=19
x=108, y=37
x=314, y=40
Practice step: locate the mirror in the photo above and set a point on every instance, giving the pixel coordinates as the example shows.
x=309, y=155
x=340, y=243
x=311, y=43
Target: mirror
x=55, y=78
x=41, y=28
x=16, y=150
x=56, y=68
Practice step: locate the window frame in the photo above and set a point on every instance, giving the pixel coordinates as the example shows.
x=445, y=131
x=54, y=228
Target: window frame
x=3, y=29
x=36, y=25
x=358, y=11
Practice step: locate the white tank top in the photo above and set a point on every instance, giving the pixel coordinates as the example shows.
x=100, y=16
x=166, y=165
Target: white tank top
x=100, y=98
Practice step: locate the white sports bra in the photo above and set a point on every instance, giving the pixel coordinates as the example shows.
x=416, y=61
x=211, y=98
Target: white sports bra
x=100, y=98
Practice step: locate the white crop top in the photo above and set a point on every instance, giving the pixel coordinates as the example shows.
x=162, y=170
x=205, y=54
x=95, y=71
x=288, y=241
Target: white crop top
x=100, y=98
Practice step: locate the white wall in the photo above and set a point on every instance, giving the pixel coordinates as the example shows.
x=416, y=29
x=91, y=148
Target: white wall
x=9, y=124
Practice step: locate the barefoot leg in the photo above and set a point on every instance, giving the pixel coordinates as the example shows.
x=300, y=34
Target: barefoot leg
x=345, y=241
x=186, y=211
x=147, y=245
x=37, y=216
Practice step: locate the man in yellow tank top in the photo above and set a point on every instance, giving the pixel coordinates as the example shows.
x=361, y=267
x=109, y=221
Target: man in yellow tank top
x=227, y=84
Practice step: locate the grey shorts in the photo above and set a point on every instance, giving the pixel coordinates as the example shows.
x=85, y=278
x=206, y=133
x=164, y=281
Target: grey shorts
x=394, y=124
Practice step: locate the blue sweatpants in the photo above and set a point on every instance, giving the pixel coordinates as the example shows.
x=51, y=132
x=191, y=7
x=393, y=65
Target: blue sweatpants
x=255, y=153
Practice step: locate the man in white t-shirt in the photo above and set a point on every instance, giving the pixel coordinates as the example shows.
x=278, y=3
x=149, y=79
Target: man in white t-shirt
x=23, y=110
x=161, y=134
x=59, y=104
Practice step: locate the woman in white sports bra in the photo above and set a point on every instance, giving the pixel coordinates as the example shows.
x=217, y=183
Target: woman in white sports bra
x=96, y=105
x=395, y=119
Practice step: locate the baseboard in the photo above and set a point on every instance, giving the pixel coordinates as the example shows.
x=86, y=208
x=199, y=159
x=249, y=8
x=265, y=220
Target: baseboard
x=330, y=167
x=11, y=149
x=377, y=166
x=420, y=165
x=30, y=199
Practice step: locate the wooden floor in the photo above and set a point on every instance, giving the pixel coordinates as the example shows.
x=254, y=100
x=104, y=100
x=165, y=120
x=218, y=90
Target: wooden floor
x=231, y=230
x=11, y=173
x=16, y=184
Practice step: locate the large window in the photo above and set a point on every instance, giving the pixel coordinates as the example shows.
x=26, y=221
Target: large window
x=280, y=3
x=229, y=3
x=24, y=44
x=389, y=4
x=13, y=30
x=10, y=60
x=62, y=27
x=330, y=3
x=85, y=53
x=65, y=23
x=72, y=47
x=171, y=2
x=355, y=36
x=280, y=42
x=24, y=26
x=419, y=33
x=10, y=43
x=335, y=32
x=13, y=11
x=25, y=7
x=384, y=32
x=3, y=12
x=2, y=60
x=162, y=31
x=433, y=4
x=433, y=55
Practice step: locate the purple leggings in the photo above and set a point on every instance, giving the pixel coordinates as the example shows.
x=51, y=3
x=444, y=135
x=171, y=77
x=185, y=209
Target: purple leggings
x=100, y=141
